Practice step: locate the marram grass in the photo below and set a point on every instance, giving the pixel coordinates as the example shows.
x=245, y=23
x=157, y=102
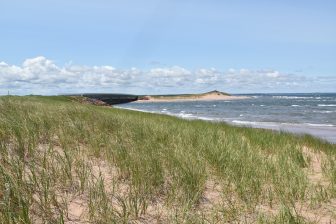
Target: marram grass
x=66, y=162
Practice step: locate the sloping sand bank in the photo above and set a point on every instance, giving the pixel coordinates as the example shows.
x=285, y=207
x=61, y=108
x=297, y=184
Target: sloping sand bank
x=213, y=95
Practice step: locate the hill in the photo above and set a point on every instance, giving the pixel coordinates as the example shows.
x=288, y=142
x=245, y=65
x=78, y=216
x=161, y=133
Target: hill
x=62, y=161
x=212, y=95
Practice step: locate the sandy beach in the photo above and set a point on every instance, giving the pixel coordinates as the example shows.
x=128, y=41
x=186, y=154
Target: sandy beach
x=96, y=160
x=215, y=95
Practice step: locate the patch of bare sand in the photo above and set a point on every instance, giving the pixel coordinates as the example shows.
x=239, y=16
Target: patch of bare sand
x=116, y=186
x=314, y=170
x=77, y=210
x=212, y=196
x=323, y=212
x=78, y=204
x=157, y=212
x=326, y=213
x=203, y=97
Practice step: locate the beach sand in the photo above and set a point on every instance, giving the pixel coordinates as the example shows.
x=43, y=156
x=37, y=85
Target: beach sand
x=202, y=97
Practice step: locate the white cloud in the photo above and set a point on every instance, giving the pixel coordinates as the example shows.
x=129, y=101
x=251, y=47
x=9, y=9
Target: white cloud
x=207, y=76
x=42, y=76
x=263, y=80
x=168, y=77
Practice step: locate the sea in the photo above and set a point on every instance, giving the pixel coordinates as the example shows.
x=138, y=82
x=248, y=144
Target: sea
x=308, y=113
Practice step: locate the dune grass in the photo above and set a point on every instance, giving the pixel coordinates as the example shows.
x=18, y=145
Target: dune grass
x=65, y=162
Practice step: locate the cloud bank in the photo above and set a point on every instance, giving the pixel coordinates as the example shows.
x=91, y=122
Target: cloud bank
x=42, y=76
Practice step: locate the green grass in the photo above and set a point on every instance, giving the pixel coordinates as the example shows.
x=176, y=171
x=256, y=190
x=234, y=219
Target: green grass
x=64, y=161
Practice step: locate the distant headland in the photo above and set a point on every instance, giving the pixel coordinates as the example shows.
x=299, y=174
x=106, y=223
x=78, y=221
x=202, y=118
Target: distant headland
x=113, y=98
x=208, y=96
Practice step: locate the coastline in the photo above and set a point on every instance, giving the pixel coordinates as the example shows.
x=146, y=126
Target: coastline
x=193, y=98
x=320, y=132
x=97, y=152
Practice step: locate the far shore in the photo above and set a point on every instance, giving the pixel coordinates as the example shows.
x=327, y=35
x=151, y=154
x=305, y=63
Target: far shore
x=193, y=99
x=210, y=96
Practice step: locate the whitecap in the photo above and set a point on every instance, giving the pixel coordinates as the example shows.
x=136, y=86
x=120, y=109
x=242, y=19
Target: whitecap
x=206, y=118
x=326, y=105
x=319, y=125
x=293, y=97
x=324, y=111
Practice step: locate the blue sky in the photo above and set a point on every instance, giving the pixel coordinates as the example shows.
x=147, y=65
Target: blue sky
x=167, y=46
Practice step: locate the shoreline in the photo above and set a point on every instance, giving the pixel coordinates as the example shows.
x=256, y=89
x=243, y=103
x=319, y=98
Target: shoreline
x=321, y=132
x=97, y=152
x=201, y=98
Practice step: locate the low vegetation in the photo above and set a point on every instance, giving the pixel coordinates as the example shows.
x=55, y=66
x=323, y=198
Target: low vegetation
x=66, y=162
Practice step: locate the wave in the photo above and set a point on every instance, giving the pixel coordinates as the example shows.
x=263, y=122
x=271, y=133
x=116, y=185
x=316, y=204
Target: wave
x=320, y=125
x=271, y=124
x=324, y=111
x=253, y=123
x=277, y=124
x=206, y=118
x=146, y=111
x=326, y=105
x=184, y=115
x=293, y=97
x=192, y=116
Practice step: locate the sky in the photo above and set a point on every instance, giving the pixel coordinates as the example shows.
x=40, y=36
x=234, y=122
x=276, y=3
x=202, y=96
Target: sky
x=167, y=46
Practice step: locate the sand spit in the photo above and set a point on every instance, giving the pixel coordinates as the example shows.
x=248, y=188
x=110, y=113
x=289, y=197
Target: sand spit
x=210, y=96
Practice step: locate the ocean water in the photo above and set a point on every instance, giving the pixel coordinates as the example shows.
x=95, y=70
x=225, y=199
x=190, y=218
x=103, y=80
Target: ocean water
x=313, y=114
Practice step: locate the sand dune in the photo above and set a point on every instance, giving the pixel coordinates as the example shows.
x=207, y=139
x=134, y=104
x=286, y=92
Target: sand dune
x=213, y=95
